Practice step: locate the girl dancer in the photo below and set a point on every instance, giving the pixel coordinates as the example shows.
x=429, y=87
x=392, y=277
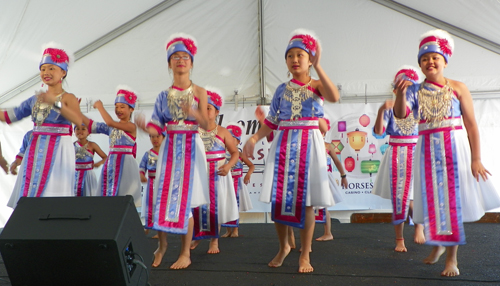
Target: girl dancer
x=447, y=192
x=49, y=169
x=182, y=181
x=85, y=179
x=395, y=178
x=222, y=206
x=295, y=177
x=324, y=214
x=120, y=174
x=244, y=204
x=148, y=164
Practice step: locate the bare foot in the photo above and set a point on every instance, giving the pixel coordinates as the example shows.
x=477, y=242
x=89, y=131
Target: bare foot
x=400, y=245
x=194, y=244
x=235, y=233
x=305, y=266
x=450, y=269
x=325, y=237
x=155, y=236
x=419, y=236
x=227, y=234
x=182, y=262
x=436, y=252
x=158, y=256
x=213, y=248
x=280, y=257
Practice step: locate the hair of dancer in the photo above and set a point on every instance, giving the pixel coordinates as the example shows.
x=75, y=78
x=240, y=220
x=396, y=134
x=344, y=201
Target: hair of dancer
x=120, y=173
x=182, y=181
x=222, y=206
x=85, y=179
x=294, y=111
x=451, y=186
x=395, y=178
x=49, y=171
x=240, y=182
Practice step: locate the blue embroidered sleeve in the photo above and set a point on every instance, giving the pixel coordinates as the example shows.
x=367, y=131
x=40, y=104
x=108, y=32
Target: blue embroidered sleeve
x=143, y=166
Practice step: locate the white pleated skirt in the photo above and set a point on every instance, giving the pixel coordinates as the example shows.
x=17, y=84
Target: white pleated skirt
x=60, y=182
x=337, y=193
x=90, y=184
x=199, y=181
x=383, y=185
x=476, y=198
x=244, y=196
x=318, y=188
x=227, y=205
x=130, y=180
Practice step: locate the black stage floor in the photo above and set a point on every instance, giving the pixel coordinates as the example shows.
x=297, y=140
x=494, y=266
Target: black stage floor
x=361, y=254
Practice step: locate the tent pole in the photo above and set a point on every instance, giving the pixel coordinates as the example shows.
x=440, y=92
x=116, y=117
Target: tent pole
x=262, y=76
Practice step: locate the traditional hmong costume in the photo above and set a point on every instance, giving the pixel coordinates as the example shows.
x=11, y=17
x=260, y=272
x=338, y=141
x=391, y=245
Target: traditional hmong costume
x=48, y=167
x=85, y=179
x=181, y=182
x=395, y=177
x=296, y=174
x=244, y=204
x=222, y=206
x=148, y=164
x=446, y=192
x=120, y=173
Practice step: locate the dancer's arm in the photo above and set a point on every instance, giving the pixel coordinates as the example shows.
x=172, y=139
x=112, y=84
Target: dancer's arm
x=325, y=86
x=231, y=148
x=101, y=154
x=400, y=103
x=125, y=126
x=251, y=168
x=379, y=122
x=3, y=163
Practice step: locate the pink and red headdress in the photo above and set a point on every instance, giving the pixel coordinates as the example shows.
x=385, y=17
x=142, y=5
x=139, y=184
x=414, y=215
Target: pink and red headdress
x=181, y=42
x=436, y=41
x=124, y=94
x=406, y=72
x=303, y=39
x=54, y=54
x=214, y=97
x=235, y=129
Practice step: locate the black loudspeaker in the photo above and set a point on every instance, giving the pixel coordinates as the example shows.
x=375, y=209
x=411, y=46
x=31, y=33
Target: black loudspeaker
x=76, y=241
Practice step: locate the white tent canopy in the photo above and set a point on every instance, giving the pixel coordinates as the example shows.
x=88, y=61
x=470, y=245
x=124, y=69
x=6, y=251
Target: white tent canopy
x=364, y=42
x=241, y=47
